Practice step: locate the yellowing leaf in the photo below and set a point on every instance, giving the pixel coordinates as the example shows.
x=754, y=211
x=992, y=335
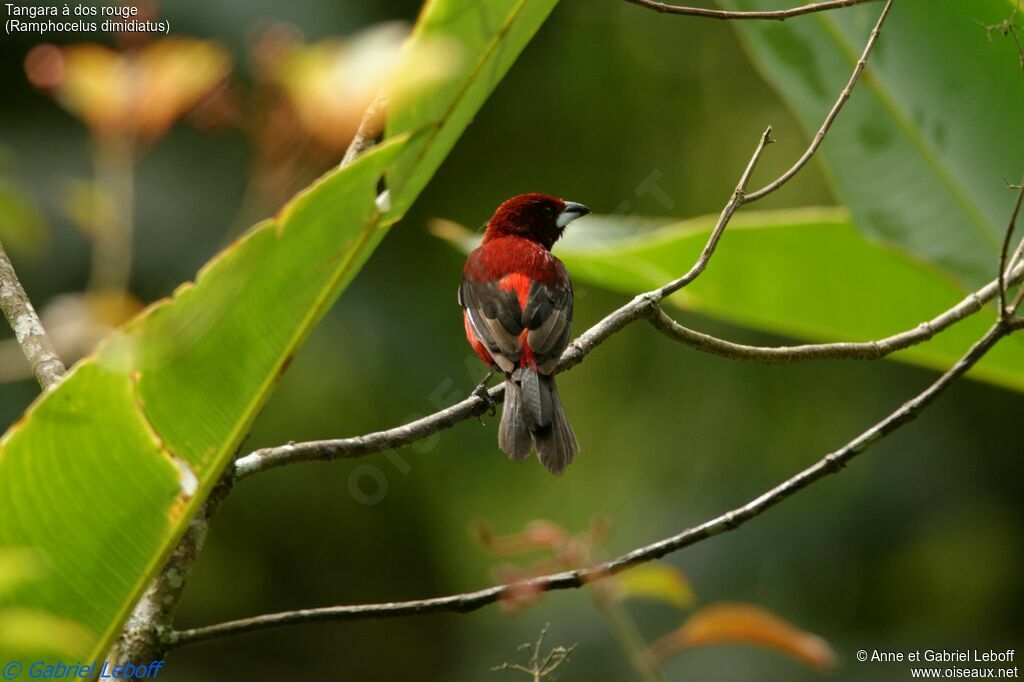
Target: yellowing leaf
x=745, y=624
x=660, y=582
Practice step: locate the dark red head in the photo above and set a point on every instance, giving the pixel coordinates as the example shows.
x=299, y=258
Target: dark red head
x=537, y=217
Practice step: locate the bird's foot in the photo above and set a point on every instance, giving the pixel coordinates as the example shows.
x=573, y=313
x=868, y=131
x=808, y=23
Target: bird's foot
x=485, y=395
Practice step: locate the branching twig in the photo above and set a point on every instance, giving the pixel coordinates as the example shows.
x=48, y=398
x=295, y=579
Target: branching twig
x=1006, y=27
x=731, y=520
x=28, y=330
x=639, y=308
x=778, y=15
x=644, y=306
x=844, y=95
x=537, y=667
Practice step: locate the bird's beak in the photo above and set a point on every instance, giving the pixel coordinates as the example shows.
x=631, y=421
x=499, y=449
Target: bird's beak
x=571, y=212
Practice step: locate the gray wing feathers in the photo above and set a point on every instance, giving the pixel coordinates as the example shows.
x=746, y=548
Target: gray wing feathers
x=494, y=316
x=548, y=317
x=504, y=347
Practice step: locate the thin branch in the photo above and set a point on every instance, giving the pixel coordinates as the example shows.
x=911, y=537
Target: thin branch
x=640, y=307
x=819, y=137
x=1017, y=300
x=777, y=15
x=867, y=350
x=644, y=306
x=731, y=520
x=28, y=330
x=359, y=446
x=1004, y=311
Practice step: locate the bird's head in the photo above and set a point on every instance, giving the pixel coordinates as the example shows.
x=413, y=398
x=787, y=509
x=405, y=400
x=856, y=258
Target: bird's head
x=537, y=217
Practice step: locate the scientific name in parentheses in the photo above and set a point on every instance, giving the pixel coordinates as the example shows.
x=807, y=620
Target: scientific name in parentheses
x=120, y=19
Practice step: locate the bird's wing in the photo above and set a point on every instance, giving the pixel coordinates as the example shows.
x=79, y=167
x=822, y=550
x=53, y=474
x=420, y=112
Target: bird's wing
x=548, y=318
x=496, y=318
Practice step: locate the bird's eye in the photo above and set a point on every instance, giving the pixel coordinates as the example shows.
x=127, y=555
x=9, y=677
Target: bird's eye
x=548, y=211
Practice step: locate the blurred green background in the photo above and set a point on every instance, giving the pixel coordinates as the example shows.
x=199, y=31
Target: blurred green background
x=915, y=546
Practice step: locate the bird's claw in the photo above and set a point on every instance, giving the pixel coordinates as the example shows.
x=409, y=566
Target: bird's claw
x=484, y=394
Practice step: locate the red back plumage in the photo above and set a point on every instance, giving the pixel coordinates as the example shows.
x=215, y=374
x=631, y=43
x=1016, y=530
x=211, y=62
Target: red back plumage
x=517, y=311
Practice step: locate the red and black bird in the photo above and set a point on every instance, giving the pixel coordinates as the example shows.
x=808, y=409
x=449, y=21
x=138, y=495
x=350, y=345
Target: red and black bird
x=516, y=299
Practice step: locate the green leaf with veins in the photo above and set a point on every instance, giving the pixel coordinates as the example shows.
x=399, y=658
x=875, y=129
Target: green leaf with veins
x=921, y=152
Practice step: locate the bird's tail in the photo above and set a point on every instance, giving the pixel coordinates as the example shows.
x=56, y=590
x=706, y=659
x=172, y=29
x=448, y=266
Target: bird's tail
x=533, y=417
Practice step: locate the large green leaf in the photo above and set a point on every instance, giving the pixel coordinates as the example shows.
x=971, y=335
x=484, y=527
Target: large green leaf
x=920, y=152
x=100, y=477
x=806, y=274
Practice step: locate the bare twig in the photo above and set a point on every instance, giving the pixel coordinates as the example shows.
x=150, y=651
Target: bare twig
x=28, y=330
x=1005, y=311
x=867, y=350
x=1007, y=27
x=539, y=669
x=1017, y=300
x=777, y=15
x=731, y=520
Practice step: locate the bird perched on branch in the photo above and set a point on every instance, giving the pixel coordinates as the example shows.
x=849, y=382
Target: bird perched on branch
x=517, y=302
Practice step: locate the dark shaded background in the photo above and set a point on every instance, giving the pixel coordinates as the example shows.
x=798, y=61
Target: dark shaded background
x=915, y=546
